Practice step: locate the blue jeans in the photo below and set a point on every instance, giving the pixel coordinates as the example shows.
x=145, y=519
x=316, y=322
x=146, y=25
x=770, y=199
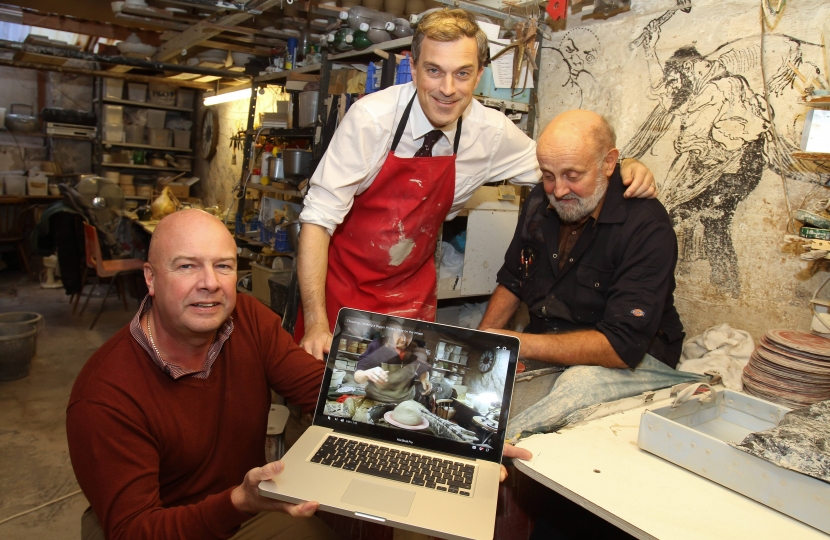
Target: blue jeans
x=583, y=386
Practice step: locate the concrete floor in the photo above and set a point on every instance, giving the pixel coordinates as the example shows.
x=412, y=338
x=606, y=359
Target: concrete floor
x=34, y=458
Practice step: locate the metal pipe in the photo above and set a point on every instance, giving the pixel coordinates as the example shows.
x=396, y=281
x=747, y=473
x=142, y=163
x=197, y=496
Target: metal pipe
x=117, y=60
x=99, y=73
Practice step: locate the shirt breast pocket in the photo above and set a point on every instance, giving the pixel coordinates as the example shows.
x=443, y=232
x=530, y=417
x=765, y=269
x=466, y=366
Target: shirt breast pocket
x=594, y=284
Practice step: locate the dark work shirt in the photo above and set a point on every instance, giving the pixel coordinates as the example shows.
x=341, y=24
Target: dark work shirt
x=618, y=278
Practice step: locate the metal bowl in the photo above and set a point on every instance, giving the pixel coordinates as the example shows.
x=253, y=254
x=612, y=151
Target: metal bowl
x=21, y=123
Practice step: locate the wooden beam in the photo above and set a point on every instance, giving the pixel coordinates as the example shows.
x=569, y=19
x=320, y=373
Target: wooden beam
x=257, y=51
x=200, y=32
x=146, y=21
x=98, y=73
x=156, y=13
x=66, y=24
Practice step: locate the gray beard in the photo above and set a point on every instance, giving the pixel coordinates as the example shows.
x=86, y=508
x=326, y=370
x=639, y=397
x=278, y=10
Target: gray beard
x=572, y=213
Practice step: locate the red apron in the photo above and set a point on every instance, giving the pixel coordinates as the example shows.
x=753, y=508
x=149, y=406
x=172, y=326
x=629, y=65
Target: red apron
x=382, y=257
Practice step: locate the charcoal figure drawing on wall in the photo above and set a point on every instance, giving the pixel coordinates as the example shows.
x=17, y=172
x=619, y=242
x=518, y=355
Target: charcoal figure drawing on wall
x=723, y=140
x=580, y=51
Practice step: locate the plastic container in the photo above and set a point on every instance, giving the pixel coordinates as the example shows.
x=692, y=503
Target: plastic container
x=134, y=134
x=281, y=243
x=113, y=88
x=137, y=92
x=38, y=185
x=23, y=319
x=308, y=108
x=113, y=132
x=113, y=114
x=155, y=119
x=160, y=137
x=14, y=185
x=695, y=435
x=259, y=278
x=18, y=343
x=181, y=137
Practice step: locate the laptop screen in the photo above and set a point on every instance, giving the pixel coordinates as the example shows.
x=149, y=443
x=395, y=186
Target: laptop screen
x=418, y=383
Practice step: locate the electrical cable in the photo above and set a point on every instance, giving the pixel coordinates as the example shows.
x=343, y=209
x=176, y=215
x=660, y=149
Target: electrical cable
x=44, y=505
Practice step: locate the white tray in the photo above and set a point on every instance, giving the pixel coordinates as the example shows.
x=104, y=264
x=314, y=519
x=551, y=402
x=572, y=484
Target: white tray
x=695, y=435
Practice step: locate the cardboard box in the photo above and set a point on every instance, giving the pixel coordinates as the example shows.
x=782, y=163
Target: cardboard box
x=339, y=80
x=181, y=189
x=297, y=81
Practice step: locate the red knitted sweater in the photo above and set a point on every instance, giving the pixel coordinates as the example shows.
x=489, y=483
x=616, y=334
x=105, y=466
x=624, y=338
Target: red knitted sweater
x=158, y=458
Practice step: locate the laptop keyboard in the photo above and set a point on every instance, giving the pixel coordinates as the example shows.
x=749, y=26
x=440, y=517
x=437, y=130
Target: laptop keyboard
x=392, y=464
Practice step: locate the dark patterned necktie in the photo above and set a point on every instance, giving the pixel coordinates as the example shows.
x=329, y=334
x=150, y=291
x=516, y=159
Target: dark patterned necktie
x=429, y=141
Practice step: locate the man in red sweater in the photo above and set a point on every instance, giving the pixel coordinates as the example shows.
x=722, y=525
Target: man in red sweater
x=166, y=421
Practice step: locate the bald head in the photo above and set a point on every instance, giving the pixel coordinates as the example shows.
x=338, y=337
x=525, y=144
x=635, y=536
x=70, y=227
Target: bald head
x=577, y=156
x=187, y=227
x=191, y=274
x=579, y=129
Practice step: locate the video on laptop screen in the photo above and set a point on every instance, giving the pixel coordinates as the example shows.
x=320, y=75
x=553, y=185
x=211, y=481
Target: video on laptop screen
x=417, y=383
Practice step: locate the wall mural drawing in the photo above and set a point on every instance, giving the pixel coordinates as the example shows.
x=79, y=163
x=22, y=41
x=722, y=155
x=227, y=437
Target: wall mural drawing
x=581, y=53
x=714, y=108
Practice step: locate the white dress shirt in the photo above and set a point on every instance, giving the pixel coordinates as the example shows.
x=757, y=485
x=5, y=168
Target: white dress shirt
x=491, y=149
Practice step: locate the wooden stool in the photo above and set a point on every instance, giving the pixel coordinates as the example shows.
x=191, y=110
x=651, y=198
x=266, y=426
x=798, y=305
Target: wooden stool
x=274, y=439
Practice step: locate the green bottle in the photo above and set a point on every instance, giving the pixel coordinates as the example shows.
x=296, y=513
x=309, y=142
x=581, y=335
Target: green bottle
x=342, y=44
x=360, y=40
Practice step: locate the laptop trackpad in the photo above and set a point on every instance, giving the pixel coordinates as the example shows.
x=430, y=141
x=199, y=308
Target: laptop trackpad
x=379, y=497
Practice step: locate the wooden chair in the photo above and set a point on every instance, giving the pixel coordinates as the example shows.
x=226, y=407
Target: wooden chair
x=114, y=269
x=12, y=226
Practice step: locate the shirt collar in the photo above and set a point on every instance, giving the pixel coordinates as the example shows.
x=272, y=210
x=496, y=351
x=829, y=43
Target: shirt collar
x=174, y=370
x=420, y=124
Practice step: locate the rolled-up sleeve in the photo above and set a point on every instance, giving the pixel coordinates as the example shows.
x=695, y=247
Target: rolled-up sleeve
x=640, y=288
x=354, y=155
x=514, y=158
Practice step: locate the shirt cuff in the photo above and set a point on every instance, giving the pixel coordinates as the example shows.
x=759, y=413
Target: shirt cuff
x=309, y=215
x=221, y=516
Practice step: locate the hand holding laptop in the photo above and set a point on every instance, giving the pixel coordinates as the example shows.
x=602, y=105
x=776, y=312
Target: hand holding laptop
x=511, y=451
x=246, y=497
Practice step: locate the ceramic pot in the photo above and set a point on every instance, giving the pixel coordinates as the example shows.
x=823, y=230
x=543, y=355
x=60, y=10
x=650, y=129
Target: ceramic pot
x=395, y=7
x=373, y=4
x=414, y=7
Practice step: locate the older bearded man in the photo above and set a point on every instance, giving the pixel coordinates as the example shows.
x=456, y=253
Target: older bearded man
x=596, y=271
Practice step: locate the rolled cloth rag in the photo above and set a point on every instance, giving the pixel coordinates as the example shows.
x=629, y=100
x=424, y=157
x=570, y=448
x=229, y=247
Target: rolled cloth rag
x=719, y=350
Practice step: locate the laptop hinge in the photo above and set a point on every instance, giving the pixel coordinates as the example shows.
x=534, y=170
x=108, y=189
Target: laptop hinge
x=368, y=516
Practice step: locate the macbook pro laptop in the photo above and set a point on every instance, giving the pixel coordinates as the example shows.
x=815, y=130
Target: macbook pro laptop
x=385, y=452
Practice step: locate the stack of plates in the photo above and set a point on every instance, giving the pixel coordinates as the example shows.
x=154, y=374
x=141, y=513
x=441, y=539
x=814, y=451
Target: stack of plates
x=790, y=368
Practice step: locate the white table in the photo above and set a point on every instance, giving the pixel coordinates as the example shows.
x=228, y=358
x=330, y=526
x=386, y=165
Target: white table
x=599, y=466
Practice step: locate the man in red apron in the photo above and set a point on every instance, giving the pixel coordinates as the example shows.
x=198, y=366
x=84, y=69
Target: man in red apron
x=372, y=215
